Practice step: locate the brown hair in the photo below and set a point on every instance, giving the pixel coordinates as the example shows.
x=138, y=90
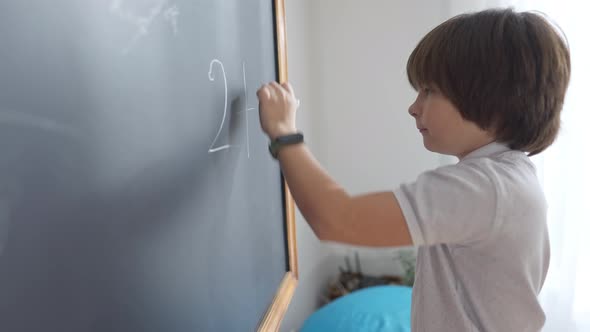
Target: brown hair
x=506, y=71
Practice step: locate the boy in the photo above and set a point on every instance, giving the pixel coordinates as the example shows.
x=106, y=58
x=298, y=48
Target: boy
x=490, y=89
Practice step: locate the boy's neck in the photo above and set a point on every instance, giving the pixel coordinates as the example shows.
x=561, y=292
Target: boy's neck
x=475, y=146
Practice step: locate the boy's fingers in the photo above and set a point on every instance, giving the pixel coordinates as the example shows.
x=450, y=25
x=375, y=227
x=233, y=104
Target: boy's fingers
x=288, y=87
x=277, y=89
x=274, y=89
x=263, y=92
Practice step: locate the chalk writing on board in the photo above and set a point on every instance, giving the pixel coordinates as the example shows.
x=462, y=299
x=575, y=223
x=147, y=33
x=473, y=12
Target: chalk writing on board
x=171, y=15
x=246, y=108
x=142, y=23
x=14, y=118
x=212, y=148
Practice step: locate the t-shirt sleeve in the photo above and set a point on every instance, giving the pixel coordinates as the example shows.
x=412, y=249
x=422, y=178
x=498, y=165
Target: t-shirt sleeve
x=454, y=204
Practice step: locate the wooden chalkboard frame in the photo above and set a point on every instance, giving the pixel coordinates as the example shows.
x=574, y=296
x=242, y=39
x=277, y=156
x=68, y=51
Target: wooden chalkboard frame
x=277, y=310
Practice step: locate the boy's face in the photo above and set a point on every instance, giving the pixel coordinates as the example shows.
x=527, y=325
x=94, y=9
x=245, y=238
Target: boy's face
x=442, y=127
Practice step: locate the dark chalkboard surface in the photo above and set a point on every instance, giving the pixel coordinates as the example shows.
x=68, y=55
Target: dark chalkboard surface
x=136, y=189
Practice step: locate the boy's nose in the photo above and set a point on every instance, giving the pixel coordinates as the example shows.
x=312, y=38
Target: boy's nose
x=413, y=109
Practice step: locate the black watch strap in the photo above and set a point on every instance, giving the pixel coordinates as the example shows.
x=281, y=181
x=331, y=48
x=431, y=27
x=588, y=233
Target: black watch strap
x=276, y=144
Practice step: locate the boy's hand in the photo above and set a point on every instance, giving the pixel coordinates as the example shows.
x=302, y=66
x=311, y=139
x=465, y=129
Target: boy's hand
x=277, y=108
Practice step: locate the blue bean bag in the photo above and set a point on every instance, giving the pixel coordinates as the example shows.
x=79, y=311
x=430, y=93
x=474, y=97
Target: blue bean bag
x=373, y=309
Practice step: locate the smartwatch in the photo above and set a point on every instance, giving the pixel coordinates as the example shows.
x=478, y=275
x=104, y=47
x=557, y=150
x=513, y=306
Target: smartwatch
x=276, y=144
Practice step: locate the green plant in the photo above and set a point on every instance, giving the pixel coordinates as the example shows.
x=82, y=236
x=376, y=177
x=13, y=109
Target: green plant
x=407, y=259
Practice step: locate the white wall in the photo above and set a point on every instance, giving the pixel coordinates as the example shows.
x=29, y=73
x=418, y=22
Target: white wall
x=364, y=135
x=347, y=63
x=313, y=273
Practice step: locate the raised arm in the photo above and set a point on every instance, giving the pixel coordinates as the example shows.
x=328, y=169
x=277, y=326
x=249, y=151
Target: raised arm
x=373, y=219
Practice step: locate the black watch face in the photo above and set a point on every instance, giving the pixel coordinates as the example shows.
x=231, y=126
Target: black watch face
x=294, y=138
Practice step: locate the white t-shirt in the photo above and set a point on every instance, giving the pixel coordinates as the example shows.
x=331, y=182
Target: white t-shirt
x=483, y=245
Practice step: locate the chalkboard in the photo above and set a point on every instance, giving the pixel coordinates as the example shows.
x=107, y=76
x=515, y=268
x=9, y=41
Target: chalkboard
x=136, y=189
